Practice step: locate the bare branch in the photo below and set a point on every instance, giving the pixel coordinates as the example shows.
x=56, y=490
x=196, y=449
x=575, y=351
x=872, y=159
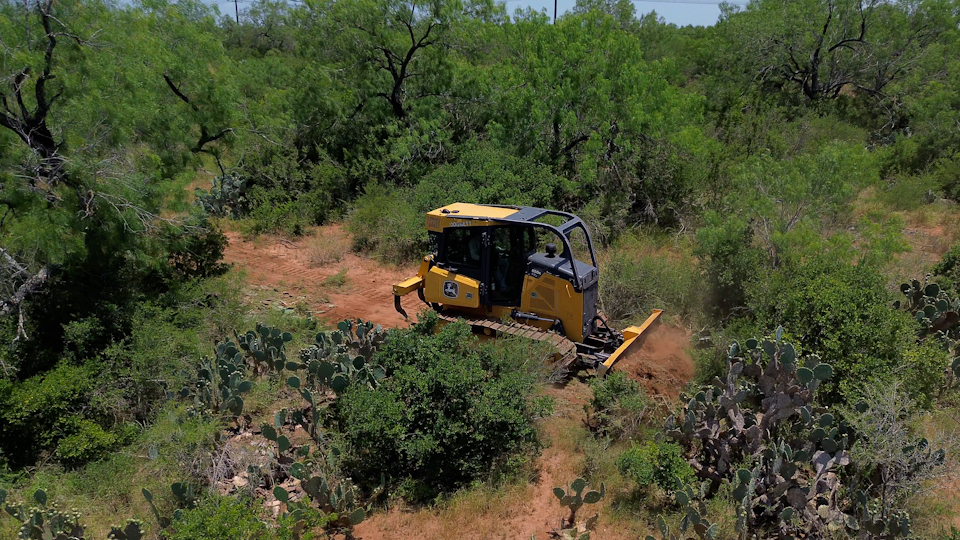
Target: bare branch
x=30, y=286
x=173, y=88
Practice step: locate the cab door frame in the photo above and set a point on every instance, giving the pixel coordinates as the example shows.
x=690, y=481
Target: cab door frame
x=485, y=255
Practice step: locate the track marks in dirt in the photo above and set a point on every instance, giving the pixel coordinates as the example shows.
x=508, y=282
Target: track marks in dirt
x=283, y=264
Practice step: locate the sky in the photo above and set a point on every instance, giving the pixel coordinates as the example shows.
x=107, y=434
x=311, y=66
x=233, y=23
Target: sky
x=679, y=12
x=702, y=13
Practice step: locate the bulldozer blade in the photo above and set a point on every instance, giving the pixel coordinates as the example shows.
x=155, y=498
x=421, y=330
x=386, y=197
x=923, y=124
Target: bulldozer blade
x=633, y=338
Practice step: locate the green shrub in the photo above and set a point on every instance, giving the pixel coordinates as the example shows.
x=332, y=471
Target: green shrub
x=195, y=250
x=841, y=311
x=449, y=412
x=87, y=441
x=730, y=263
x=485, y=174
x=389, y=221
x=946, y=174
x=656, y=463
x=284, y=192
x=922, y=371
x=947, y=271
x=385, y=221
x=278, y=211
x=217, y=518
x=619, y=406
x=35, y=414
x=905, y=192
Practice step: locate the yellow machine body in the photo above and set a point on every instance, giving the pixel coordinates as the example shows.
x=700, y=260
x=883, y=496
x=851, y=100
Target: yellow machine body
x=504, y=275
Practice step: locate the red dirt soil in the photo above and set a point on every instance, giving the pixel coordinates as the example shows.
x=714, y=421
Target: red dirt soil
x=662, y=363
x=285, y=264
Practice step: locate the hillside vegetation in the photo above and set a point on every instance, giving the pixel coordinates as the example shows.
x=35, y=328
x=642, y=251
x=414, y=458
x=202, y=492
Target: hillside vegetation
x=783, y=183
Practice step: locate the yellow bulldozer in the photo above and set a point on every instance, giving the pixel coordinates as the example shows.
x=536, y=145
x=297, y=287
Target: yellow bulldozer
x=512, y=270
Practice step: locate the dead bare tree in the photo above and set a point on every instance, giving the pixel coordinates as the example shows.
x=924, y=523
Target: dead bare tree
x=30, y=123
x=395, y=45
x=845, y=45
x=817, y=66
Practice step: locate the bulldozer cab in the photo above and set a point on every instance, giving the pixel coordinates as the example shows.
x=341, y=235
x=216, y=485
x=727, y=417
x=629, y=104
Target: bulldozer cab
x=500, y=252
x=491, y=261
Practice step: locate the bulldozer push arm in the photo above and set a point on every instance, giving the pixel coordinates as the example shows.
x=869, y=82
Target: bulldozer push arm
x=407, y=286
x=633, y=338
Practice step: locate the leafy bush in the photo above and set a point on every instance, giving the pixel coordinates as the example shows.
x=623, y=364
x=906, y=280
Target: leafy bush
x=87, y=441
x=922, y=371
x=730, y=262
x=449, y=411
x=843, y=311
x=656, y=463
x=619, y=406
x=904, y=192
x=485, y=174
x=282, y=192
x=385, y=222
x=35, y=414
x=276, y=210
x=389, y=221
x=947, y=271
x=216, y=518
x=946, y=173
x=195, y=250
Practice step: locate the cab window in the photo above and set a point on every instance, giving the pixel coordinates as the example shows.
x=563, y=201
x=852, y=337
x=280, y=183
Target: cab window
x=464, y=246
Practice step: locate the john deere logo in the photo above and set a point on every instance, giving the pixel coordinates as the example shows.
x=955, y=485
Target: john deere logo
x=451, y=289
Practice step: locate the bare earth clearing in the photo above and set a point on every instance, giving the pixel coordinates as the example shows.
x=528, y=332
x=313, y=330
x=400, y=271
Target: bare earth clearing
x=284, y=269
x=285, y=266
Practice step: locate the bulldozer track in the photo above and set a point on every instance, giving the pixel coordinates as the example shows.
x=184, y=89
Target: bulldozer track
x=566, y=349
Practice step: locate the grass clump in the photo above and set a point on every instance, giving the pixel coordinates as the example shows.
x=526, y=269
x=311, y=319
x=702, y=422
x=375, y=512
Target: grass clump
x=619, y=408
x=338, y=280
x=328, y=247
x=644, y=273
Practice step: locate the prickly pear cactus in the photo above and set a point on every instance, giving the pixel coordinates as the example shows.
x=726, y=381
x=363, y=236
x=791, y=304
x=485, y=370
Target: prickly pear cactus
x=573, y=498
x=40, y=522
x=933, y=308
x=132, y=530
x=336, y=496
x=227, y=196
x=219, y=389
x=764, y=412
x=937, y=314
x=692, y=504
x=265, y=347
x=337, y=359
